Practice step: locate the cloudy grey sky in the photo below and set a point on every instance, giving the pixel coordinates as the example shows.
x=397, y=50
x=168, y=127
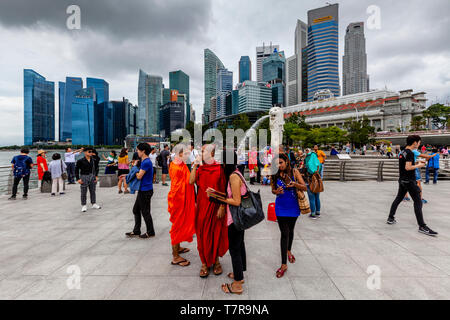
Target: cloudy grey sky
x=411, y=50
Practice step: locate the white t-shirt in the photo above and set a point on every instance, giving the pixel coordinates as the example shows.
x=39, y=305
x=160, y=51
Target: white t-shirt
x=152, y=157
x=70, y=156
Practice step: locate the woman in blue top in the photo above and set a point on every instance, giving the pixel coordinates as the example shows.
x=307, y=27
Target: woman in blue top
x=285, y=184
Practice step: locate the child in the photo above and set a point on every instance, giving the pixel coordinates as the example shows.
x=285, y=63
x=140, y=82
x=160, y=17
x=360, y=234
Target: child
x=57, y=167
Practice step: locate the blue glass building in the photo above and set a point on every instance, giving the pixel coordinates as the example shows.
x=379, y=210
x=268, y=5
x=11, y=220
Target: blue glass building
x=245, y=69
x=323, y=55
x=66, y=94
x=83, y=117
x=254, y=96
x=178, y=80
x=224, y=86
x=101, y=89
x=39, y=108
x=211, y=65
x=150, y=91
x=273, y=73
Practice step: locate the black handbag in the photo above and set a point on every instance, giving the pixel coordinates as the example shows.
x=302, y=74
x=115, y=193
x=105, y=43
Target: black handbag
x=250, y=212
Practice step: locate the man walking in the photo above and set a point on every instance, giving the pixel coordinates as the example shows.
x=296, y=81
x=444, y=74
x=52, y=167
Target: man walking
x=86, y=172
x=143, y=200
x=322, y=157
x=69, y=159
x=407, y=183
x=21, y=165
x=165, y=154
x=433, y=165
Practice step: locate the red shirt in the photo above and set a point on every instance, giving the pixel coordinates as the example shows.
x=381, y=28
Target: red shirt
x=40, y=171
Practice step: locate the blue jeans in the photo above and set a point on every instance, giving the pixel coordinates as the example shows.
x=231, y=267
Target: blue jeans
x=435, y=175
x=314, y=201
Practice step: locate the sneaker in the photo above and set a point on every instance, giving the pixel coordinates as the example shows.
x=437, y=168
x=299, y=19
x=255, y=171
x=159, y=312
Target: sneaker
x=53, y=194
x=96, y=206
x=406, y=199
x=318, y=214
x=12, y=198
x=61, y=193
x=424, y=201
x=391, y=221
x=313, y=216
x=25, y=197
x=427, y=182
x=146, y=236
x=427, y=231
x=83, y=209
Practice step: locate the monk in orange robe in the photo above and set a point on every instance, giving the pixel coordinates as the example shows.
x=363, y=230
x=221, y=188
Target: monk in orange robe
x=181, y=201
x=210, y=225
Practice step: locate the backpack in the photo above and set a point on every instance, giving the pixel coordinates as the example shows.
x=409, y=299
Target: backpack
x=159, y=160
x=20, y=167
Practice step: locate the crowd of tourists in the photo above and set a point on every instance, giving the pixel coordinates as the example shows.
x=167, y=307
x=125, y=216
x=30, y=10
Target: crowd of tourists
x=208, y=196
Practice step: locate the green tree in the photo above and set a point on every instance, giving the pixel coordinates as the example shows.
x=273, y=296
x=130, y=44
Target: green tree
x=359, y=132
x=242, y=122
x=418, y=123
x=438, y=114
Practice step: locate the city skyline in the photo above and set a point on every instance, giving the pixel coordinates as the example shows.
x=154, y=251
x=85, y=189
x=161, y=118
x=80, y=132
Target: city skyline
x=406, y=52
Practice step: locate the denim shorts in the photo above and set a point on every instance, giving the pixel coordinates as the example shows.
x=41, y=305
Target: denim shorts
x=418, y=176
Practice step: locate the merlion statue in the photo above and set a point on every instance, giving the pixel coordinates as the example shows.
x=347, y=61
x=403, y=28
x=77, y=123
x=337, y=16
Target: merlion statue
x=276, y=127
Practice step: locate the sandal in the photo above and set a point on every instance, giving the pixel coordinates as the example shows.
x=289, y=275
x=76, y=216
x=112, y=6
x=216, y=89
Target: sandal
x=229, y=289
x=281, y=272
x=204, y=272
x=183, y=250
x=231, y=276
x=291, y=258
x=181, y=263
x=217, y=269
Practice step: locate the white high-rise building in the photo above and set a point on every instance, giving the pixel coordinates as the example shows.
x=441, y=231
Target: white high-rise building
x=293, y=73
x=261, y=54
x=354, y=68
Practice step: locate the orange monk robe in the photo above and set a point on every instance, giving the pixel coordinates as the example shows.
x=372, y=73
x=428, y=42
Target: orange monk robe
x=212, y=232
x=181, y=200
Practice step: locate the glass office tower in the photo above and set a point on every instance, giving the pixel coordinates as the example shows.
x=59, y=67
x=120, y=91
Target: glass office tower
x=323, y=55
x=273, y=73
x=101, y=89
x=178, y=80
x=212, y=64
x=149, y=100
x=245, y=69
x=254, y=96
x=39, y=108
x=66, y=95
x=224, y=86
x=83, y=117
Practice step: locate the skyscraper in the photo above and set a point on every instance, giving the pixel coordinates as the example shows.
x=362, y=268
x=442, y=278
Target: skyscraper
x=172, y=117
x=295, y=79
x=66, y=95
x=212, y=64
x=178, y=80
x=323, y=55
x=354, y=61
x=149, y=101
x=261, y=54
x=224, y=86
x=245, y=69
x=83, y=117
x=38, y=107
x=254, y=96
x=273, y=73
x=101, y=89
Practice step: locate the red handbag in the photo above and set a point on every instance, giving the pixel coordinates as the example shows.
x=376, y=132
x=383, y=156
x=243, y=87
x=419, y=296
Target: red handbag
x=271, y=215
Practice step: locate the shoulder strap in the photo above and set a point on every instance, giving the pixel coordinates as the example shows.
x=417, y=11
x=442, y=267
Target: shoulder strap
x=242, y=179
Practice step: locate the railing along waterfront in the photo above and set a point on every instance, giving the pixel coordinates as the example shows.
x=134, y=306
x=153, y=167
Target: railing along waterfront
x=358, y=169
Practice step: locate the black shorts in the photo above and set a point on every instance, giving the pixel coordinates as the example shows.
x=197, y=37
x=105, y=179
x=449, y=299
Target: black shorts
x=123, y=171
x=165, y=170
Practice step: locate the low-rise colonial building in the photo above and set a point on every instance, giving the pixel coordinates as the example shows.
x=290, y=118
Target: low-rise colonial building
x=386, y=110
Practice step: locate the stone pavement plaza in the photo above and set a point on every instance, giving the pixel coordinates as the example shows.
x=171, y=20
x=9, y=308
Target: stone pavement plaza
x=42, y=236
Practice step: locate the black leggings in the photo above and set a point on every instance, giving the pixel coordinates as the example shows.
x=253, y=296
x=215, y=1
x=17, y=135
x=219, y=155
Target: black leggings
x=414, y=192
x=237, y=252
x=287, y=225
